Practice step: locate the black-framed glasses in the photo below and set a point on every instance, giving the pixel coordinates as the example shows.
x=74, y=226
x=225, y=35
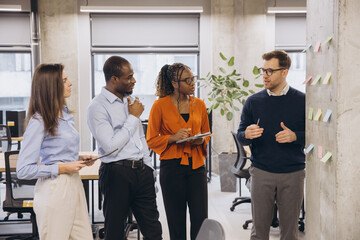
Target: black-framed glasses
x=188, y=80
x=269, y=71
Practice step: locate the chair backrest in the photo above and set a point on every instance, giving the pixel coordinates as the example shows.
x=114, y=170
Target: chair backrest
x=211, y=230
x=241, y=154
x=5, y=136
x=19, y=193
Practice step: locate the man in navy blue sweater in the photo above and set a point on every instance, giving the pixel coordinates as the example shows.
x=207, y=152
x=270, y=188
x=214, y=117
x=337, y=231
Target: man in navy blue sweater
x=273, y=124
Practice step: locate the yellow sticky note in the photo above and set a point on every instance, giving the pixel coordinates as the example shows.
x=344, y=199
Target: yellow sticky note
x=327, y=78
x=318, y=115
x=326, y=157
x=311, y=113
x=318, y=77
x=319, y=152
x=328, y=40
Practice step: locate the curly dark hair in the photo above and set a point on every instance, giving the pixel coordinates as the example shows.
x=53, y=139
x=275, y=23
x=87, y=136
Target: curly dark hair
x=167, y=74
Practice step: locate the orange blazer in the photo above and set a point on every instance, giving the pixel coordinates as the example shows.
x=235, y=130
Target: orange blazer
x=165, y=120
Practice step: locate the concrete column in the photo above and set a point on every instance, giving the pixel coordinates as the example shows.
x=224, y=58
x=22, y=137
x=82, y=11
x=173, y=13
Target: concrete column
x=59, y=38
x=238, y=29
x=332, y=192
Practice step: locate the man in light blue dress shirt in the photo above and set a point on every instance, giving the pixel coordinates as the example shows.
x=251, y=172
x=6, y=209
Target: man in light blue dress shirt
x=126, y=176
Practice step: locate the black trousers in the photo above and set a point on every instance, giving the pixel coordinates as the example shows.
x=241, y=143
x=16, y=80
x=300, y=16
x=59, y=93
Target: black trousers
x=183, y=187
x=126, y=188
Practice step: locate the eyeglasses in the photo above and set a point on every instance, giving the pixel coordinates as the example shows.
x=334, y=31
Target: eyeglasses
x=188, y=80
x=270, y=71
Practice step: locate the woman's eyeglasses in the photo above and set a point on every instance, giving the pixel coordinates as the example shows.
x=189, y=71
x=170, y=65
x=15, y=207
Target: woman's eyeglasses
x=188, y=80
x=269, y=71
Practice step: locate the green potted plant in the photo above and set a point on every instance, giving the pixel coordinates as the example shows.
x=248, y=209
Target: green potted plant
x=226, y=89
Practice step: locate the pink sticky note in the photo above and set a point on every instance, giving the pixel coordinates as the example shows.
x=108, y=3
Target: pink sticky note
x=317, y=46
x=320, y=152
x=308, y=79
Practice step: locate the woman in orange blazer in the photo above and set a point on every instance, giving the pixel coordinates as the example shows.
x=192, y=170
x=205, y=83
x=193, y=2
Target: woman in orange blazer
x=174, y=116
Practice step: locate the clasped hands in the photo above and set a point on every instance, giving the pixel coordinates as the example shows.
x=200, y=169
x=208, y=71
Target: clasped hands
x=284, y=136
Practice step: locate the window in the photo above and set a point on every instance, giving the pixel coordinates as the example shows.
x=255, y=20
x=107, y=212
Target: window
x=297, y=72
x=290, y=35
x=15, y=61
x=15, y=80
x=155, y=42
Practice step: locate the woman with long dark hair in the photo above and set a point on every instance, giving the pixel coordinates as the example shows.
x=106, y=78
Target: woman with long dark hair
x=174, y=116
x=59, y=198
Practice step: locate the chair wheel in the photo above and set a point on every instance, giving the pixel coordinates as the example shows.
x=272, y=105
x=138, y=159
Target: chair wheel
x=301, y=227
x=245, y=226
x=232, y=209
x=101, y=233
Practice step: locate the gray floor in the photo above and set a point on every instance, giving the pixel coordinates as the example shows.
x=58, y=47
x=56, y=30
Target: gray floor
x=219, y=209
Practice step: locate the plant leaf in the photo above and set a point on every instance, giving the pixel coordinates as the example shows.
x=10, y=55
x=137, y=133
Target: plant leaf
x=256, y=70
x=220, y=99
x=210, y=99
x=259, y=85
x=231, y=62
x=222, y=70
x=246, y=83
x=243, y=101
x=222, y=112
x=216, y=105
x=229, y=116
x=251, y=91
x=222, y=56
x=236, y=108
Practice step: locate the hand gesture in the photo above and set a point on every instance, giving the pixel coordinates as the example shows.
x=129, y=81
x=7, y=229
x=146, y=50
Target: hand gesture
x=71, y=167
x=181, y=134
x=253, y=131
x=86, y=160
x=136, y=108
x=286, y=135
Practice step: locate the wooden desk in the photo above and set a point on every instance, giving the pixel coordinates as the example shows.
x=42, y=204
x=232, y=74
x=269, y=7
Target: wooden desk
x=86, y=173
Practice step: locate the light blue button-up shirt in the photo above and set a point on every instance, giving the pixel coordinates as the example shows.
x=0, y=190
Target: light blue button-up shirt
x=64, y=147
x=113, y=127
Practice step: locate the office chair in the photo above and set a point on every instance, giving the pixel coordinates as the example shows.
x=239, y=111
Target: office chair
x=5, y=136
x=19, y=193
x=211, y=230
x=239, y=171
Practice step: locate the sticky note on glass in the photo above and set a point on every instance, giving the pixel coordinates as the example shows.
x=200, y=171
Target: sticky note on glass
x=317, y=46
x=307, y=79
x=328, y=40
x=326, y=157
x=318, y=77
x=327, y=78
x=309, y=148
x=319, y=152
x=311, y=113
x=327, y=115
x=308, y=47
x=318, y=115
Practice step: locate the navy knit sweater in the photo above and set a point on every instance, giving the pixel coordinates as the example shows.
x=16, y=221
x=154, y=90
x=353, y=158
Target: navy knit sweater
x=267, y=154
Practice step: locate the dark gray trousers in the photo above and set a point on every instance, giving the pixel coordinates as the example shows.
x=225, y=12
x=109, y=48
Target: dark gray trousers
x=287, y=190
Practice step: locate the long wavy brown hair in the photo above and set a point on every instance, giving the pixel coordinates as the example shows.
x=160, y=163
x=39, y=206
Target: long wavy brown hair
x=47, y=95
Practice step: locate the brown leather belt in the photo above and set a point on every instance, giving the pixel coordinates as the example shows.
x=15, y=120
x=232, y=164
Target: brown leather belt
x=130, y=163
